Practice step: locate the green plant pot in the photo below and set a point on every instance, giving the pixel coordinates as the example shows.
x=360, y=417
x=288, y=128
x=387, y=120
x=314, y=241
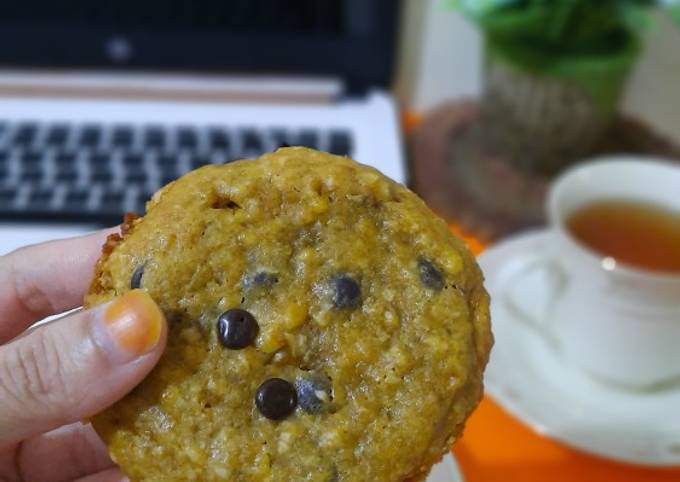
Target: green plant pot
x=546, y=112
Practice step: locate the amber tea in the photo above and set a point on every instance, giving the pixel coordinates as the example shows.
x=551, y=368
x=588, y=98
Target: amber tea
x=633, y=232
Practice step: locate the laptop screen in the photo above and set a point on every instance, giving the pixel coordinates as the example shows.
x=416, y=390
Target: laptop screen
x=351, y=39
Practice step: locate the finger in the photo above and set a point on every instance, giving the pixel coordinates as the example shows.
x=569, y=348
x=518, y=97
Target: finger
x=45, y=279
x=66, y=453
x=70, y=370
x=111, y=475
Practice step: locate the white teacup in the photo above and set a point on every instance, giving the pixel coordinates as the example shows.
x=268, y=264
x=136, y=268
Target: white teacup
x=617, y=322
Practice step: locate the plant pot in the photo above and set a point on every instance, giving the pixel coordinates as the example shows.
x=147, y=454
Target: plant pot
x=544, y=113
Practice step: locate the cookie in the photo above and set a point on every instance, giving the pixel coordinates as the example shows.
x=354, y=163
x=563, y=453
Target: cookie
x=324, y=325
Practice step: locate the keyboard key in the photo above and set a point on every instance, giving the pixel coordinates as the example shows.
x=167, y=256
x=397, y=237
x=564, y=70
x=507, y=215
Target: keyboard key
x=142, y=198
x=154, y=137
x=40, y=198
x=57, y=135
x=168, y=160
x=77, y=199
x=25, y=134
x=133, y=159
x=219, y=139
x=251, y=141
x=90, y=135
x=170, y=169
x=122, y=137
x=7, y=196
x=167, y=179
x=4, y=155
x=186, y=137
x=31, y=157
x=101, y=174
x=4, y=172
x=199, y=161
x=280, y=138
x=220, y=156
x=340, y=143
x=68, y=175
x=32, y=173
x=113, y=201
x=137, y=176
x=101, y=159
x=308, y=138
x=65, y=158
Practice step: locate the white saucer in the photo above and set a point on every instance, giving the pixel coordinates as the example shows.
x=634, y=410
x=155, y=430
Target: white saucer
x=445, y=471
x=533, y=383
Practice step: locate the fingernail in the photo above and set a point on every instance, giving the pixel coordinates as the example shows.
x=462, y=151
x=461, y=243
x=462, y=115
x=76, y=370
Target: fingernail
x=131, y=326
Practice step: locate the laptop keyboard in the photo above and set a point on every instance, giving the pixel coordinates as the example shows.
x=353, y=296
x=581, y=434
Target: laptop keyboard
x=91, y=172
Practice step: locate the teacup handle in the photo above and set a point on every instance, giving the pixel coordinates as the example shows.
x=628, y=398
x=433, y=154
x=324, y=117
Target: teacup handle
x=521, y=268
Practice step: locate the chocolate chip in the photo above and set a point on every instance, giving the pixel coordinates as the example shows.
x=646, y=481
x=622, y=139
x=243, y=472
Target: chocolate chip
x=236, y=328
x=136, y=279
x=276, y=399
x=225, y=203
x=261, y=279
x=314, y=392
x=430, y=275
x=346, y=292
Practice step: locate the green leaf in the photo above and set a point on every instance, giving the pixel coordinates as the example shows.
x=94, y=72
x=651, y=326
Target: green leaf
x=675, y=13
x=561, y=27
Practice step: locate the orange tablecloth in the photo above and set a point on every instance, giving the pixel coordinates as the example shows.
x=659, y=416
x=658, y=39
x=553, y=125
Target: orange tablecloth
x=496, y=447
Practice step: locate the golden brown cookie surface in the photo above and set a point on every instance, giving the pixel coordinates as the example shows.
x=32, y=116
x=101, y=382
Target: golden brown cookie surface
x=320, y=273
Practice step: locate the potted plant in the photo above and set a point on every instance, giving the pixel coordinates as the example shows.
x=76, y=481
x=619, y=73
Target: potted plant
x=555, y=71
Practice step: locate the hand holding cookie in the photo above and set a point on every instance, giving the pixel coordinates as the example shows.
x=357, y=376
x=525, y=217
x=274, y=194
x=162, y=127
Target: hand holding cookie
x=56, y=375
x=306, y=318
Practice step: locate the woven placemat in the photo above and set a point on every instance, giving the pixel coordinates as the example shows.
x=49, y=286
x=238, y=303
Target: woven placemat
x=464, y=177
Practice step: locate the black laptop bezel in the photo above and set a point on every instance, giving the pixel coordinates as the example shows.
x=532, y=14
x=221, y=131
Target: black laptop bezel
x=361, y=61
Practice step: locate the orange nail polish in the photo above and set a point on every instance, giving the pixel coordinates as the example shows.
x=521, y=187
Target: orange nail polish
x=134, y=322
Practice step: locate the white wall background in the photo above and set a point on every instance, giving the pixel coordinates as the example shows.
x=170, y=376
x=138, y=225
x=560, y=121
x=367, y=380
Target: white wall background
x=440, y=59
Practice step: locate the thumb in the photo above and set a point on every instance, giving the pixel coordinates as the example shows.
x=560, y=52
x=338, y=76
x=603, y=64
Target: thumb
x=72, y=369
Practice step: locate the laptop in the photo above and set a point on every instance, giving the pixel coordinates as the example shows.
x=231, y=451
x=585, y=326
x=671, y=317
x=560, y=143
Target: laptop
x=102, y=103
